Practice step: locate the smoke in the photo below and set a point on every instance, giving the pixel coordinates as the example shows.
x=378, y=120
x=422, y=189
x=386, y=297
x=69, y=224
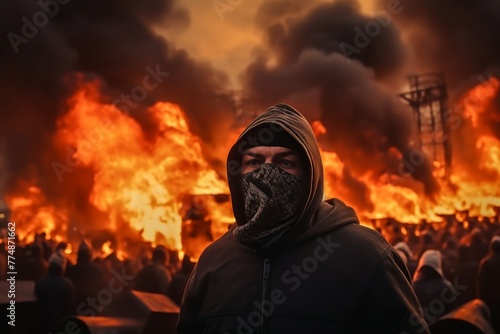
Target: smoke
x=367, y=126
x=47, y=43
x=461, y=39
x=333, y=28
x=458, y=37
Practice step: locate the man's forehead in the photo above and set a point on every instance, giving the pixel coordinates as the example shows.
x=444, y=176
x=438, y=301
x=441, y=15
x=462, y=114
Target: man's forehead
x=274, y=150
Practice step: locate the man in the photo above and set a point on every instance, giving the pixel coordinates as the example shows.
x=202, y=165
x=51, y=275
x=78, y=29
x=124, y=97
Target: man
x=154, y=277
x=293, y=263
x=430, y=284
x=87, y=277
x=55, y=293
x=488, y=288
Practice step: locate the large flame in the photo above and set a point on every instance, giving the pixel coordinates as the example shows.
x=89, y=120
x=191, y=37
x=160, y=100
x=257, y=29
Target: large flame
x=34, y=214
x=137, y=181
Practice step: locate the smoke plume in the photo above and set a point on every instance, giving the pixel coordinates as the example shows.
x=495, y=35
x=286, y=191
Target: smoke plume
x=367, y=126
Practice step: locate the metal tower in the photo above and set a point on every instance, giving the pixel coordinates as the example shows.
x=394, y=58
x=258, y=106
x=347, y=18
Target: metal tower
x=428, y=98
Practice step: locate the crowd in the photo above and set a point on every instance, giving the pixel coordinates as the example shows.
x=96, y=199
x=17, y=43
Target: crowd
x=64, y=288
x=451, y=265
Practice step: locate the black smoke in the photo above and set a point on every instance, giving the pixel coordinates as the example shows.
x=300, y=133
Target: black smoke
x=367, y=126
x=458, y=37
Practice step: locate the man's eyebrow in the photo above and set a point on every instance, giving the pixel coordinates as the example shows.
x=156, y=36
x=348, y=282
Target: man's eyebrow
x=286, y=153
x=280, y=154
x=253, y=154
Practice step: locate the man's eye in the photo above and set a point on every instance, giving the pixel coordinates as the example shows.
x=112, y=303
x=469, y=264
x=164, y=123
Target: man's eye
x=253, y=162
x=286, y=163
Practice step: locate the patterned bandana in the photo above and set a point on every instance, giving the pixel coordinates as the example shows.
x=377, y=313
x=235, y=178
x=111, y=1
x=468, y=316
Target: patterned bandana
x=273, y=202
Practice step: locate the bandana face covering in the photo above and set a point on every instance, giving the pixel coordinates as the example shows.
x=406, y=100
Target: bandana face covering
x=273, y=201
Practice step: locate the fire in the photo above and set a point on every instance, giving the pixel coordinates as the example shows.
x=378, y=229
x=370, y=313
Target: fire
x=318, y=128
x=68, y=250
x=476, y=101
x=106, y=248
x=137, y=181
x=477, y=197
x=34, y=214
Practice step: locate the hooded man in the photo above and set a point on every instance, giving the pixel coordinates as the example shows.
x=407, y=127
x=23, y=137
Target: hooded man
x=293, y=263
x=432, y=287
x=87, y=277
x=55, y=293
x=488, y=288
x=154, y=277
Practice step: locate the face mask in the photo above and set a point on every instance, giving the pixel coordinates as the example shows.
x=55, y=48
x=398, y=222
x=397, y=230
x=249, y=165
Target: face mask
x=273, y=202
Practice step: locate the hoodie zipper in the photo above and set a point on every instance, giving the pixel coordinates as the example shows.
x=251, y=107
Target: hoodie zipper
x=265, y=288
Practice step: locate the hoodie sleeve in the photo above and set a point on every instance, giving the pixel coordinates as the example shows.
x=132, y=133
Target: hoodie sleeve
x=390, y=305
x=188, y=322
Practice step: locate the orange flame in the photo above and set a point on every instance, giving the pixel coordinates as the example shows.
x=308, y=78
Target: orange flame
x=33, y=214
x=476, y=101
x=138, y=182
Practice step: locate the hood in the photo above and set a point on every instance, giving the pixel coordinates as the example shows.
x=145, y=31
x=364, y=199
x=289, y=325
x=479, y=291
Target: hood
x=430, y=258
x=403, y=247
x=282, y=117
x=495, y=244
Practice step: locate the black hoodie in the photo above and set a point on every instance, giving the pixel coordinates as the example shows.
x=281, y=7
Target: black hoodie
x=330, y=275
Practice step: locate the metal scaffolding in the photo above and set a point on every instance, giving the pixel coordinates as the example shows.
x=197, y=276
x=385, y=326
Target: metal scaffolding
x=428, y=98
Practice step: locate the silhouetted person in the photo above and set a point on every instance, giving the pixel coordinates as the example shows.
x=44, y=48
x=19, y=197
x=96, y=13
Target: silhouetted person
x=176, y=288
x=488, y=281
x=61, y=248
x=449, y=249
x=3, y=260
x=478, y=247
x=41, y=240
x=426, y=242
x=411, y=263
x=55, y=293
x=154, y=277
x=431, y=285
x=33, y=266
x=130, y=270
x=87, y=277
x=466, y=272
